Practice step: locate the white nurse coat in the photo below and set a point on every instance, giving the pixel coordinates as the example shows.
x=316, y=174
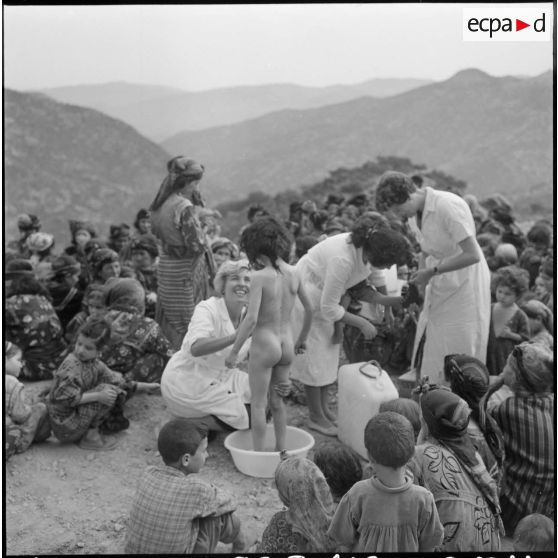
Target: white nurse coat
x=198, y=386
x=456, y=312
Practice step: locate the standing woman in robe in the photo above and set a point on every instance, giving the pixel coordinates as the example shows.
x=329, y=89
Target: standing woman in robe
x=185, y=263
x=456, y=313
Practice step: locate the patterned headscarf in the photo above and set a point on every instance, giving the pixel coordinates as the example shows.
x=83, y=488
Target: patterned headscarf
x=40, y=241
x=126, y=295
x=76, y=226
x=303, y=489
x=177, y=167
x=146, y=242
x=532, y=365
x=469, y=379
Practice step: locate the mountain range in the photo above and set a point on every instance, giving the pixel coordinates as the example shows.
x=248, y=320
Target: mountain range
x=161, y=112
x=65, y=162
x=493, y=132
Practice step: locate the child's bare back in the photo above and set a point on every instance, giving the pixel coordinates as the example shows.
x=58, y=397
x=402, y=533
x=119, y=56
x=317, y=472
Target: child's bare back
x=272, y=336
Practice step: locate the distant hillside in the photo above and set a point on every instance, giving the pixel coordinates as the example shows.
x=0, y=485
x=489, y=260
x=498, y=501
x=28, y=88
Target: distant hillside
x=494, y=133
x=66, y=162
x=159, y=113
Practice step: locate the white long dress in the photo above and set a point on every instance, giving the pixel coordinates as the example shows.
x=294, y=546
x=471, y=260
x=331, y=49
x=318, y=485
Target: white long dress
x=198, y=386
x=327, y=270
x=456, y=312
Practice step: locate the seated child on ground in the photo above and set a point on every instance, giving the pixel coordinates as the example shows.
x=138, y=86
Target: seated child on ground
x=273, y=291
x=173, y=509
x=85, y=390
x=534, y=533
x=387, y=513
x=24, y=423
x=302, y=527
x=340, y=465
x=508, y=323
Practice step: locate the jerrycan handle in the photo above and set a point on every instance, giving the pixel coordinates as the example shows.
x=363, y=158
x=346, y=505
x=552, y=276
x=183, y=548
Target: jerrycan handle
x=373, y=370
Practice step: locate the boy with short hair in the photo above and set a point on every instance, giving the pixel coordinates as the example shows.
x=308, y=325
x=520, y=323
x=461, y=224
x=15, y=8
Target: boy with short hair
x=174, y=510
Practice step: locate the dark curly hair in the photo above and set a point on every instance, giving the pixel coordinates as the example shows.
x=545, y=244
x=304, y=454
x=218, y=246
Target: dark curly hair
x=382, y=245
x=266, y=237
x=319, y=219
x=394, y=188
x=96, y=329
x=513, y=277
x=340, y=465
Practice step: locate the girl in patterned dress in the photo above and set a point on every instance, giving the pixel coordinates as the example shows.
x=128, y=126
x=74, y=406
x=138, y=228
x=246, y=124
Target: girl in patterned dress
x=85, y=390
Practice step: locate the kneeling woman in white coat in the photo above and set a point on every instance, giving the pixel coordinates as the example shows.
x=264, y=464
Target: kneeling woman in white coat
x=196, y=383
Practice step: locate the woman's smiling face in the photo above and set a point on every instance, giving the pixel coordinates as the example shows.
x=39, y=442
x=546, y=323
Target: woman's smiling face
x=237, y=286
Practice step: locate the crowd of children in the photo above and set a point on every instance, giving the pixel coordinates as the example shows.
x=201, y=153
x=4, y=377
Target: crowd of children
x=85, y=320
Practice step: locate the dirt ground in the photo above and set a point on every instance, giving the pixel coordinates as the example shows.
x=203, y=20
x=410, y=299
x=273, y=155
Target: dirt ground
x=60, y=499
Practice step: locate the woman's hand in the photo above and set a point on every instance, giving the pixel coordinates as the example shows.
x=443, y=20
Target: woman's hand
x=231, y=360
x=300, y=347
x=367, y=329
x=422, y=276
x=108, y=395
x=148, y=387
x=507, y=333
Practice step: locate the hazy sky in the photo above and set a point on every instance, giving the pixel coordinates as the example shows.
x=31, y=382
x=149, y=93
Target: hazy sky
x=204, y=47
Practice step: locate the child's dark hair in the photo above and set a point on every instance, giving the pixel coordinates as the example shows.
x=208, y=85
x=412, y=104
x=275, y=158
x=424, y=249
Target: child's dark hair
x=319, y=219
x=256, y=208
x=389, y=439
x=534, y=533
x=382, y=246
x=406, y=407
x=539, y=234
x=340, y=466
x=266, y=237
x=96, y=329
x=394, y=188
x=178, y=437
x=513, y=277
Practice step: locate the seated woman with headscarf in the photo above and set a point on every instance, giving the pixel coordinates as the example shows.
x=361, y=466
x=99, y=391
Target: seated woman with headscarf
x=31, y=322
x=303, y=526
x=468, y=377
x=447, y=463
x=527, y=422
x=138, y=348
x=196, y=384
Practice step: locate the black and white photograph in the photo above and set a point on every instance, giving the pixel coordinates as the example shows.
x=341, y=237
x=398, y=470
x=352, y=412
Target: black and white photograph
x=279, y=278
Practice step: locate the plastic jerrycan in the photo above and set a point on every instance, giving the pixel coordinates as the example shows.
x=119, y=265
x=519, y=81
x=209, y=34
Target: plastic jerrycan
x=362, y=387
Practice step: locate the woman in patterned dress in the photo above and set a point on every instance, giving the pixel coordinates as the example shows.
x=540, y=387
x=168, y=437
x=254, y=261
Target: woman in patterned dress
x=185, y=264
x=31, y=322
x=447, y=463
x=138, y=348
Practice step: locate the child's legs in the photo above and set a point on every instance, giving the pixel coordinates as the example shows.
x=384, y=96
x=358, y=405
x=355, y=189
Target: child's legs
x=223, y=528
x=259, y=378
x=314, y=400
x=324, y=394
x=279, y=375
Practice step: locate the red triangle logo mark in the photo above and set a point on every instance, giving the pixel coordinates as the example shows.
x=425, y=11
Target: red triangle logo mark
x=519, y=25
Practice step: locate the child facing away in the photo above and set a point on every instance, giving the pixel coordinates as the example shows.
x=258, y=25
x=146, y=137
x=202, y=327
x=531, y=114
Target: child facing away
x=387, y=513
x=509, y=325
x=273, y=291
x=541, y=322
x=24, y=423
x=176, y=511
x=85, y=390
x=534, y=533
